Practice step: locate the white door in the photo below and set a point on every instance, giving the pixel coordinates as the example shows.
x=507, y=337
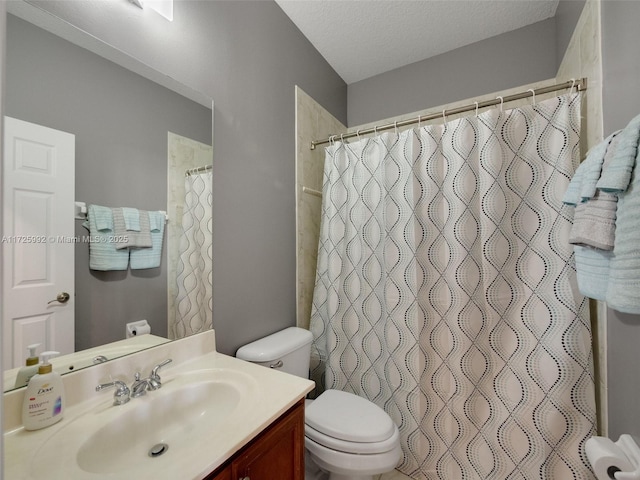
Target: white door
x=37, y=240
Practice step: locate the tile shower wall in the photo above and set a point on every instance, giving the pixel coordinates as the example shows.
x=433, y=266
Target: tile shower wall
x=312, y=122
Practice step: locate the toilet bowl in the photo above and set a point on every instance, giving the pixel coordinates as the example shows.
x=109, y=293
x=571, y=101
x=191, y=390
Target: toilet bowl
x=347, y=437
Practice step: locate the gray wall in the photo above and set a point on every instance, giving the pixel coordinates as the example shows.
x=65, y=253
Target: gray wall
x=120, y=121
x=621, y=103
x=247, y=56
x=515, y=58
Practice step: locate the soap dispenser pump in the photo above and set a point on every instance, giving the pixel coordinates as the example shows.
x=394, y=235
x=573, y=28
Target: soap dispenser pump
x=30, y=369
x=44, y=397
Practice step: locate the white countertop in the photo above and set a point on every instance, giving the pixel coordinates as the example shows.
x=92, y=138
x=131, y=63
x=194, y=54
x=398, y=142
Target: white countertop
x=268, y=394
x=76, y=361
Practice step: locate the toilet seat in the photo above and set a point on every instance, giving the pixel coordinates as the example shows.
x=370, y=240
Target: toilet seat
x=348, y=423
x=366, y=448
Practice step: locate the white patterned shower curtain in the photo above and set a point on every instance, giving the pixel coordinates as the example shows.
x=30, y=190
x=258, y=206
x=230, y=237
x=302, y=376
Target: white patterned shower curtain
x=194, y=301
x=446, y=293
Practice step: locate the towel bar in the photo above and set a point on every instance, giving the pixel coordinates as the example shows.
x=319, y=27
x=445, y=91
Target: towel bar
x=81, y=212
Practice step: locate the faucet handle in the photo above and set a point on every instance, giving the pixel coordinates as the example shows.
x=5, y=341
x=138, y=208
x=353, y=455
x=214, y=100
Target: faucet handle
x=121, y=395
x=154, y=378
x=154, y=372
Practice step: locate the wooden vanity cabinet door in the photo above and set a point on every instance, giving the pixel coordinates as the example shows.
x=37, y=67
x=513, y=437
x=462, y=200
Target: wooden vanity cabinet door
x=223, y=475
x=277, y=453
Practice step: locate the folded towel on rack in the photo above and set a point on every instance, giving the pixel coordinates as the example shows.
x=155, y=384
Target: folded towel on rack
x=132, y=219
x=618, y=175
x=583, y=184
x=624, y=268
x=614, y=275
x=594, y=167
x=103, y=254
x=592, y=271
x=150, y=257
x=132, y=228
x=594, y=222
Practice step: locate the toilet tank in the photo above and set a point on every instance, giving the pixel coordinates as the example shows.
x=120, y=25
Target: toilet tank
x=288, y=350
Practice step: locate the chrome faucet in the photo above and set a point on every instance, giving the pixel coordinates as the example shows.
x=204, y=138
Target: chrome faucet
x=139, y=386
x=121, y=395
x=154, y=381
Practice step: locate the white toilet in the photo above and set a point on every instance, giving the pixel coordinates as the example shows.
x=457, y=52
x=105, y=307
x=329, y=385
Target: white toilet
x=347, y=437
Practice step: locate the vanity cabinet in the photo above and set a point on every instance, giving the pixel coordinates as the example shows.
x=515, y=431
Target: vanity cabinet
x=277, y=452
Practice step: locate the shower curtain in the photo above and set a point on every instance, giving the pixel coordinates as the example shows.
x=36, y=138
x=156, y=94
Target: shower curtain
x=194, y=301
x=446, y=293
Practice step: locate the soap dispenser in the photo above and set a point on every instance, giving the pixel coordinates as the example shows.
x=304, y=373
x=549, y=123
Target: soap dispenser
x=44, y=397
x=30, y=369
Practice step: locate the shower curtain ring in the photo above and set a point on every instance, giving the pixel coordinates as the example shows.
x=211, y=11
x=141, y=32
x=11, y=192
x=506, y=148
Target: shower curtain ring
x=419, y=121
x=573, y=84
x=358, y=134
x=395, y=126
x=501, y=102
x=476, y=109
x=444, y=117
x=533, y=94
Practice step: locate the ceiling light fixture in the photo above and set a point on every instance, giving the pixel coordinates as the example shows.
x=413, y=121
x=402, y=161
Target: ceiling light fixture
x=163, y=7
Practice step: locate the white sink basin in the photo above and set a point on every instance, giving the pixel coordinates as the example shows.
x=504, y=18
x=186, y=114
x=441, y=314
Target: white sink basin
x=116, y=440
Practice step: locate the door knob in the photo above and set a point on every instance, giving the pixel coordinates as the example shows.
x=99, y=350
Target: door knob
x=62, y=297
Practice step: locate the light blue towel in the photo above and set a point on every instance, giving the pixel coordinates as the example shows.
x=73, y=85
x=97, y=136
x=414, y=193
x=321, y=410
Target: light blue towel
x=614, y=276
x=618, y=175
x=594, y=221
x=103, y=254
x=592, y=271
x=582, y=186
x=593, y=169
x=150, y=257
x=623, y=293
x=131, y=218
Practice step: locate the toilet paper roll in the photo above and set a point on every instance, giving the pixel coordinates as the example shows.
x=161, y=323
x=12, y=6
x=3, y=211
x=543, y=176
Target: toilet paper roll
x=138, y=328
x=606, y=458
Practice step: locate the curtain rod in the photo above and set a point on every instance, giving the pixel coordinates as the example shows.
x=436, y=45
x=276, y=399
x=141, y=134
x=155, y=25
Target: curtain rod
x=193, y=171
x=581, y=84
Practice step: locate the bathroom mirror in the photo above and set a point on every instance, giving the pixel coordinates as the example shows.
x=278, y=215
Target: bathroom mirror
x=137, y=132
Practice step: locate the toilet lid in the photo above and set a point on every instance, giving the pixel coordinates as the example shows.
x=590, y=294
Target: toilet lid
x=348, y=417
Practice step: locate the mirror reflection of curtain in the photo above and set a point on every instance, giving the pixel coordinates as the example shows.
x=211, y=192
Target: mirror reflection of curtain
x=194, y=298
x=446, y=293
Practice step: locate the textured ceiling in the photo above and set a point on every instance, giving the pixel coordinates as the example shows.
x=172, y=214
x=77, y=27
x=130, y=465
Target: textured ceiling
x=362, y=38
